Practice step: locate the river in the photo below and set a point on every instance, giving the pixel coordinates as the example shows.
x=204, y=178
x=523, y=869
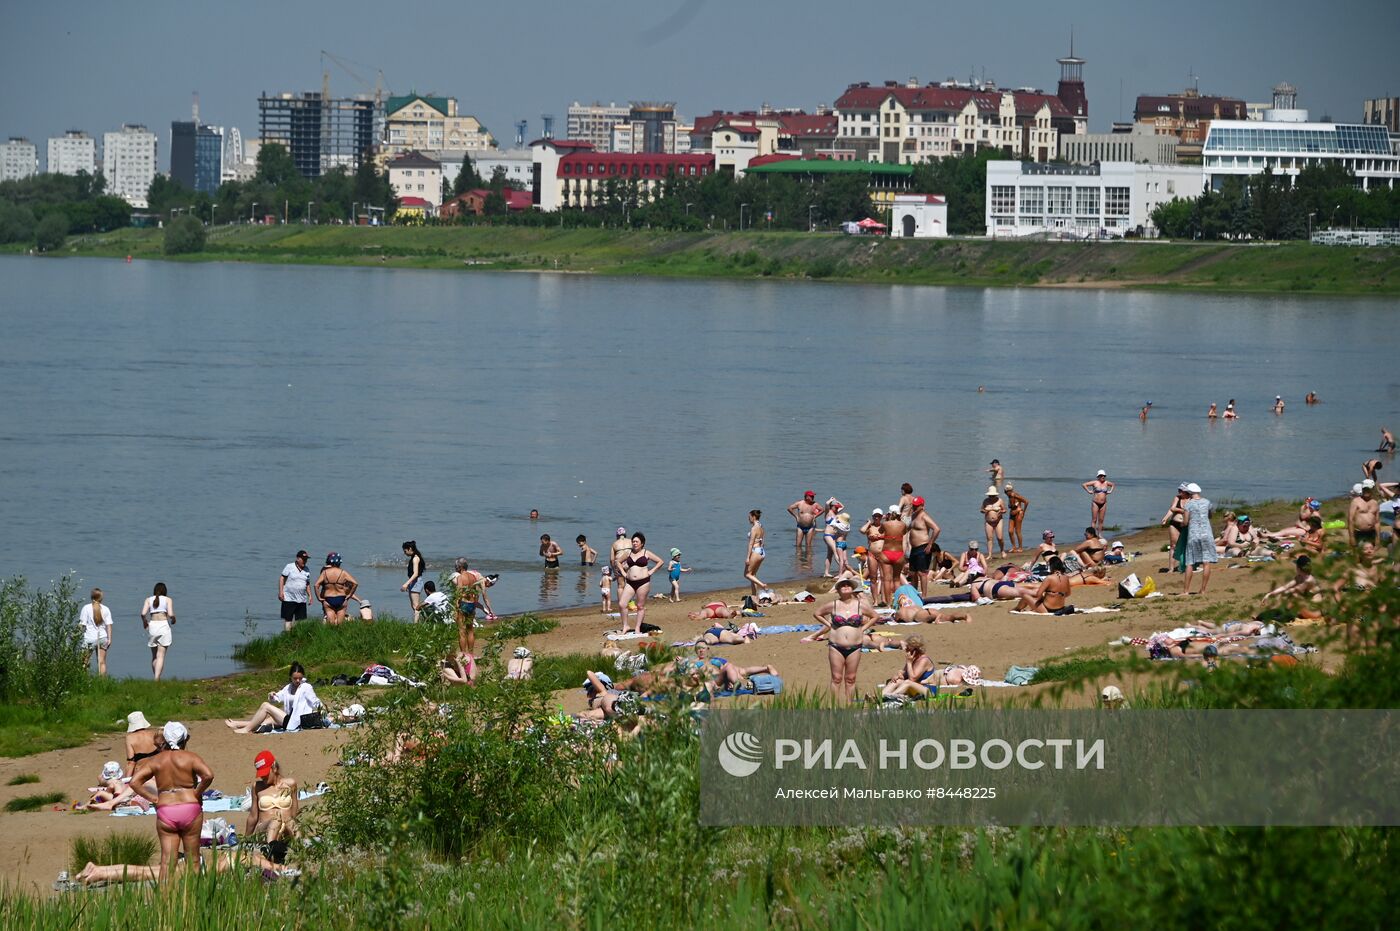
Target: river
x=198, y=423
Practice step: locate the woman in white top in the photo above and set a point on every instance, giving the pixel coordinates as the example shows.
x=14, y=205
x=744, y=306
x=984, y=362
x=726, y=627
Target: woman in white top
x=157, y=616
x=96, y=622
x=297, y=699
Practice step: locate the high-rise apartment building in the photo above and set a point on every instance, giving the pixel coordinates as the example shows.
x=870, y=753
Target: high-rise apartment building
x=197, y=155
x=1382, y=111
x=320, y=132
x=129, y=163
x=19, y=158
x=594, y=123
x=71, y=153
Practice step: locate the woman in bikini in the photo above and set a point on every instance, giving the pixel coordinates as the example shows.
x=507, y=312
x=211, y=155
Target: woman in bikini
x=892, y=555
x=993, y=516
x=1017, y=507
x=918, y=669
x=838, y=525
x=1212, y=414
x=276, y=804
x=334, y=587
x=754, y=553
x=845, y=621
x=1230, y=410
x=180, y=778
x=638, y=566
x=908, y=611
x=1099, y=489
x=714, y=611
x=875, y=542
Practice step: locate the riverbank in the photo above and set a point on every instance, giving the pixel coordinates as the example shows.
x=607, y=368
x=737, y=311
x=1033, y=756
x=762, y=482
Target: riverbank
x=1223, y=267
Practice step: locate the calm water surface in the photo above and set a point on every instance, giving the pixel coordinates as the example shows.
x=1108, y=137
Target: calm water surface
x=196, y=424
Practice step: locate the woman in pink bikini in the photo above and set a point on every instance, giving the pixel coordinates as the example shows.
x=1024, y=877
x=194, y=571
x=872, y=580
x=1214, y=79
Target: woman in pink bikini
x=181, y=778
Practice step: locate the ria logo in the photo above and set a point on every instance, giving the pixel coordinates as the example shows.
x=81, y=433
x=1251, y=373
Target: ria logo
x=741, y=754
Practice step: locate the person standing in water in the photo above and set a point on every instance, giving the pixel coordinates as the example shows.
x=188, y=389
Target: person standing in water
x=1212, y=414
x=1230, y=410
x=993, y=520
x=996, y=472
x=755, y=552
x=1387, y=442
x=417, y=566
x=1099, y=489
x=294, y=589
x=805, y=511
x=551, y=551
x=587, y=555
x=1278, y=404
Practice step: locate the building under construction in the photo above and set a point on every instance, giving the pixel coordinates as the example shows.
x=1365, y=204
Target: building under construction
x=321, y=132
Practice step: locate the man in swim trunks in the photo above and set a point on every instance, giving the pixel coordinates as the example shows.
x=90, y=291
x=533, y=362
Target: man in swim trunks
x=1364, y=516
x=334, y=587
x=805, y=511
x=923, y=544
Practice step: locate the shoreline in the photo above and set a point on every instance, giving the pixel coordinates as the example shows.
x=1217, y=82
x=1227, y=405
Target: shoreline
x=1273, y=268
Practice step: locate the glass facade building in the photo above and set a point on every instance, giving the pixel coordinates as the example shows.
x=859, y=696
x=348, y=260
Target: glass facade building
x=1238, y=147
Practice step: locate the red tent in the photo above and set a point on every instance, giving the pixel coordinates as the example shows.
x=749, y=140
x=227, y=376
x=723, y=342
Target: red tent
x=869, y=224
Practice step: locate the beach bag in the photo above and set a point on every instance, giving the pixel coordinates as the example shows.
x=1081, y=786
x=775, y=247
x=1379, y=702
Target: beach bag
x=314, y=721
x=1129, y=587
x=1148, y=587
x=764, y=684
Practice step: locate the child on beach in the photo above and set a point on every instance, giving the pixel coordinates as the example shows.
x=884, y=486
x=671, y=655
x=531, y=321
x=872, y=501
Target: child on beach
x=605, y=589
x=587, y=555
x=674, y=569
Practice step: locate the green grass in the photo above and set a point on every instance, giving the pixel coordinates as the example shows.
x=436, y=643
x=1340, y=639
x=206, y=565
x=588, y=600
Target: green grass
x=1205, y=266
x=34, y=802
x=23, y=779
x=117, y=847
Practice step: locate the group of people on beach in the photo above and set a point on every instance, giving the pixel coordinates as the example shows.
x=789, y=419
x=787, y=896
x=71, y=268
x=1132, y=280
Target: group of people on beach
x=163, y=774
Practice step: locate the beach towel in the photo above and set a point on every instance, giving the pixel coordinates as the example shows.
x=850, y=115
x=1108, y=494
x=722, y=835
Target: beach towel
x=1021, y=675
x=789, y=628
x=762, y=684
x=615, y=635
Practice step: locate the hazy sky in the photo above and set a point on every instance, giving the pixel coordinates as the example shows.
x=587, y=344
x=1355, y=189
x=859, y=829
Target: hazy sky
x=93, y=66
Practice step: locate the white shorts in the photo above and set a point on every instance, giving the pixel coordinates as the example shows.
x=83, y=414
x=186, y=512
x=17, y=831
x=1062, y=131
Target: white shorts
x=101, y=643
x=158, y=634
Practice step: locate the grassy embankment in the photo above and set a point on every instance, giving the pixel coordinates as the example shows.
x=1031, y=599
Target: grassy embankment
x=1290, y=267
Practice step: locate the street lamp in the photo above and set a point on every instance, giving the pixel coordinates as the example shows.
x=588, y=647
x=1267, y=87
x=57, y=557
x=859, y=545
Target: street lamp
x=309, y=205
x=353, y=205
x=742, y=208
x=252, y=214
x=687, y=208
x=1310, y=216
x=811, y=227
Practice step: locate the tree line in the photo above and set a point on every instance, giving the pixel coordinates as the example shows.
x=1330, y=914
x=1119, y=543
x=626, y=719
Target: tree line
x=1267, y=206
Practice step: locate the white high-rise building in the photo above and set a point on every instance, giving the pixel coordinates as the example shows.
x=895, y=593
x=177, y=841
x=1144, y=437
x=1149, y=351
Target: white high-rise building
x=19, y=158
x=72, y=152
x=594, y=123
x=129, y=163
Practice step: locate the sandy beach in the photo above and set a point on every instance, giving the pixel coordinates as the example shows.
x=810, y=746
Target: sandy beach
x=995, y=640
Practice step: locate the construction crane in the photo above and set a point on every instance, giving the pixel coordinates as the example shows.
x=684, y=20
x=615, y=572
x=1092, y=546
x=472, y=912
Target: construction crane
x=344, y=65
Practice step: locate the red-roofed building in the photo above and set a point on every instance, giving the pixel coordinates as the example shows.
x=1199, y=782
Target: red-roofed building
x=581, y=178
x=737, y=138
x=474, y=202
x=414, y=209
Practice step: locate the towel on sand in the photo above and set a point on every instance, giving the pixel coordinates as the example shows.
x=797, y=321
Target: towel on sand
x=227, y=803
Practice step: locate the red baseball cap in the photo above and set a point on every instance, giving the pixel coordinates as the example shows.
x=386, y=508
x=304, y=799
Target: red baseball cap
x=918, y=502
x=809, y=493
x=264, y=762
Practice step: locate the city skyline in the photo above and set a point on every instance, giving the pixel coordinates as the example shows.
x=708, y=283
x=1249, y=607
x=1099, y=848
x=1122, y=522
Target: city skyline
x=695, y=52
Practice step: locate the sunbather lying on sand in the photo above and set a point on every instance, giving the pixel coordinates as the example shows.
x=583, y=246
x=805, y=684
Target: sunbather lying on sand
x=112, y=792
x=907, y=611
x=715, y=611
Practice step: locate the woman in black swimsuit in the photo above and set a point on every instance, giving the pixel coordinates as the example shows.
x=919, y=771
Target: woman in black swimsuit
x=638, y=566
x=845, y=622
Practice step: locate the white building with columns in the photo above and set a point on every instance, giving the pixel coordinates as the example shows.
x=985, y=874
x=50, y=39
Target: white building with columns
x=1107, y=200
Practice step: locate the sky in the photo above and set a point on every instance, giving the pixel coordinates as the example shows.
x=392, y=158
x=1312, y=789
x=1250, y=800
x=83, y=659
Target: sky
x=93, y=66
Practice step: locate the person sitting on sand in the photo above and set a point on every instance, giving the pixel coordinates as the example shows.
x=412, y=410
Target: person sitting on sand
x=458, y=669
x=112, y=791
x=299, y=707
x=142, y=740
x=971, y=564
x=275, y=805
x=715, y=611
x=1051, y=597
x=1092, y=549
x=606, y=701
x=1302, y=587
x=1045, y=550
x=918, y=668
x=1240, y=538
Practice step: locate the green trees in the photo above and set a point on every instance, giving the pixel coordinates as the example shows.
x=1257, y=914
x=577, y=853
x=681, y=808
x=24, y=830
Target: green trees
x=184, y=235
x=50, y=232
x=16, y=222
x=467, y=179
x=962, y=179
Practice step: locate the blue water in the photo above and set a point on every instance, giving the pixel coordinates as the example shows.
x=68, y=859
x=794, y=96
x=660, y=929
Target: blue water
x=197, y=424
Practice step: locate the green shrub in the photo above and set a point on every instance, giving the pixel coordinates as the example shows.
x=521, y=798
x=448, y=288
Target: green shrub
x=16, y=223
x=23, y=779
x=41, y=657
x=184, y=235
x=117, y=847
x=34, y=802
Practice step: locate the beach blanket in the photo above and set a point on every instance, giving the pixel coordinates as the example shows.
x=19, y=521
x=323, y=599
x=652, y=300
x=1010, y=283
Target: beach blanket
x=225, y=803
x=789, y=628
x=1096, y=609
x=614, y=635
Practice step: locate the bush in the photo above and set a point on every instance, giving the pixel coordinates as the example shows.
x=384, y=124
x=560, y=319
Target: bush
x=51, y=231
x=184, y=236
x=33, y=802
x=41, y=656
x=117, y=847
x=16, y=223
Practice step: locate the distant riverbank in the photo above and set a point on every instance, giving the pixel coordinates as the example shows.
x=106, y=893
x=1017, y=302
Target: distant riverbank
x=1225, y=267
